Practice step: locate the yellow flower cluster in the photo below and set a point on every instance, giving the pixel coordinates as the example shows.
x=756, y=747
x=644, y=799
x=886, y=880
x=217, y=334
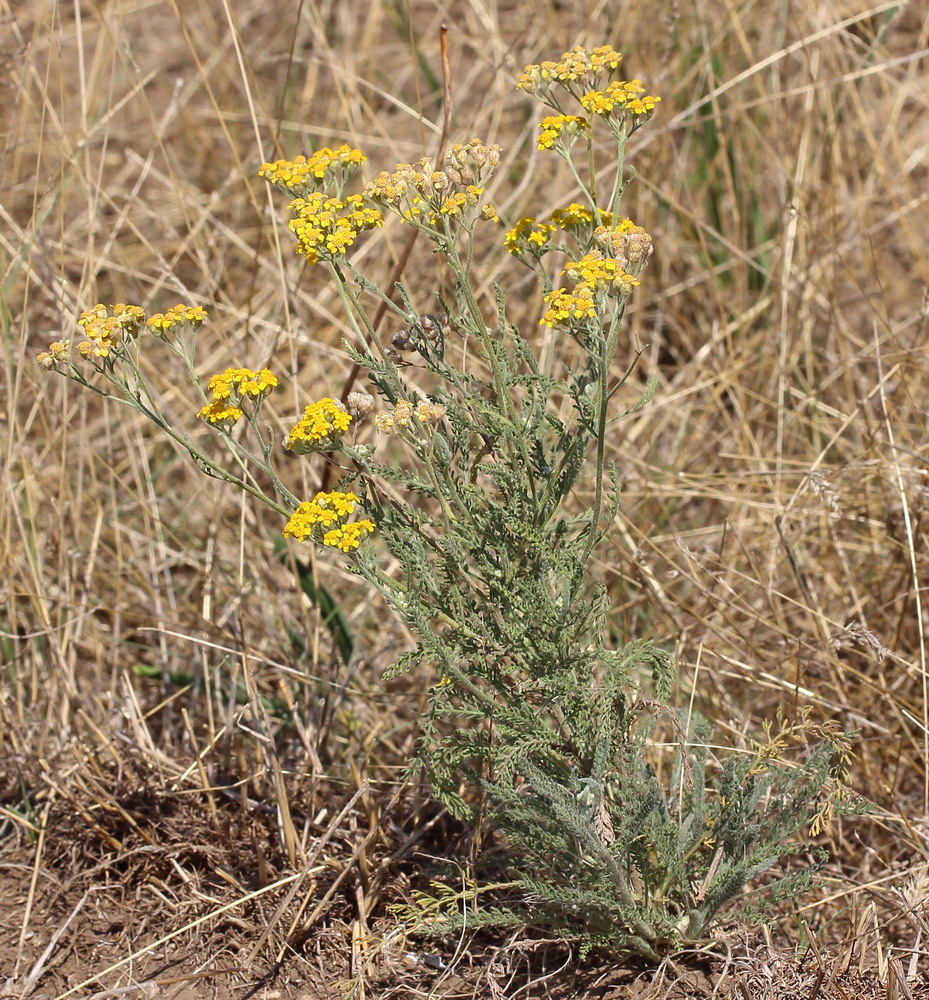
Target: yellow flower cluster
x=231, y=389
x=243, y=382
x=403, y=411
x=326, y=227
x=420, y=190
x=582, y=73
x=593, y=274
x=106, y=328
x=564, y=306
x=552, y=128
x=622, y=96
x=320, y=427
x=325, y=516
x=577, y=65
x=528, y=236
x=600, y=273
x=220, y=411
x=304, y=173
x=178, y=315
x=575, y=216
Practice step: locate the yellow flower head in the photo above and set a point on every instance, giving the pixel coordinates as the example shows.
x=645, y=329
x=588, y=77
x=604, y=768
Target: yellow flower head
x=583, y=74
x=349, y=536
x=108, y=328
x=177, y=316
x=566, y=128
x=528, y=236
x=302, y=174
x=233, y=388
x=620, y=101
x=577, y=66
x=575, y=216
x=403, y=410
x=403, y=413
x=220, y=411
x=241, y=383
x=600, y=273
x=384, y=423
x=57, y=353
x=324, y=517
x=320, y=428
x=565, y=307
x=326, y=227
x=429, y=412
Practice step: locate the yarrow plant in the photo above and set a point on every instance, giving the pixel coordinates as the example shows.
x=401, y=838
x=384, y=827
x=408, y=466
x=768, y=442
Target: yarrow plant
x=463, y=461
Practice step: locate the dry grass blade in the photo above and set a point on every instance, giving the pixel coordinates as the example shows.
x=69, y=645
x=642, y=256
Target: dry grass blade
x=139, y=953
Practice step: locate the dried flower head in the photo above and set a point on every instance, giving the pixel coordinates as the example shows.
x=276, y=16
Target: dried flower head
x=359, y=404
x=629, y=245
x=422, y=194
x=426, y=335
x=57, y=353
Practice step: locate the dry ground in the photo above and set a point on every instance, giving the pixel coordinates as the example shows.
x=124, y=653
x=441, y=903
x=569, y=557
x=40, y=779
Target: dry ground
x=198, y=796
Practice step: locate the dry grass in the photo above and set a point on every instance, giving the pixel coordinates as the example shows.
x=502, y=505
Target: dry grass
x=197, y=793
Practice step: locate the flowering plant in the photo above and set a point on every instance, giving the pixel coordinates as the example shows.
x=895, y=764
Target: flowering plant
x=534, y=724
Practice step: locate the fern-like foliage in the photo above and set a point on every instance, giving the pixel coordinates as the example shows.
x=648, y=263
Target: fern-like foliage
x=534, y=725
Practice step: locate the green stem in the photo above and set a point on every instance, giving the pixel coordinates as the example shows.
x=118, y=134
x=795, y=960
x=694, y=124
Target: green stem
x=601, y=407
x=477, y=322
x=134, y=401
x=616, y=199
